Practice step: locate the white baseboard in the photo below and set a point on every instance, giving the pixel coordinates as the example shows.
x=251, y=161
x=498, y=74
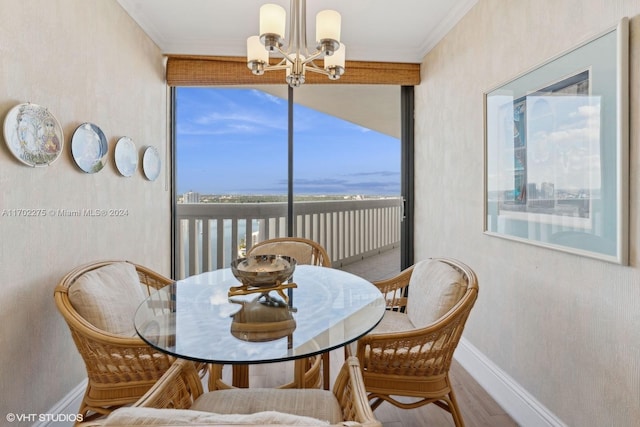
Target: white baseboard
x=511, y=396
x=66, y=408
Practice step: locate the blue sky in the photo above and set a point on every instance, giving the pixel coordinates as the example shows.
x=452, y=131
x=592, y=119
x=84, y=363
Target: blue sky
x=234, y=141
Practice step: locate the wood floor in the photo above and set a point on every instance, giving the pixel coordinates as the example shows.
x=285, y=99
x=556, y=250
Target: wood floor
x=477, y=407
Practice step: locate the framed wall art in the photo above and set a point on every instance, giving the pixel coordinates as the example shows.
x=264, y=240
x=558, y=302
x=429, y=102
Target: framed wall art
x=556, y=151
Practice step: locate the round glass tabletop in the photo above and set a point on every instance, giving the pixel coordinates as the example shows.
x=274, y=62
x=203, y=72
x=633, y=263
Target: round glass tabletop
x=196, y=319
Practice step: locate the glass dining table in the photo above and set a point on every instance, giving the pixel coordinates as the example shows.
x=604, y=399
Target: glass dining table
x=197, y=319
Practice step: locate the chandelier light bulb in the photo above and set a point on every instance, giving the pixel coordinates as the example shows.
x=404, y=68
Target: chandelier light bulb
x=334, y=64
x=272, y=25
x=328, y=25
x=257, y=55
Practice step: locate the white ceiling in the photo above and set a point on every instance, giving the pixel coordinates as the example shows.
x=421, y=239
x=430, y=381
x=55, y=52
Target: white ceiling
x=372, y=30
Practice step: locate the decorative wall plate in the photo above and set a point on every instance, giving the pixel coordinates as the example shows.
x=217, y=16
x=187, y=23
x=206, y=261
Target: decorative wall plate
x=151, y=163
x=33, y=135
x=126, y=156
x=89, y=148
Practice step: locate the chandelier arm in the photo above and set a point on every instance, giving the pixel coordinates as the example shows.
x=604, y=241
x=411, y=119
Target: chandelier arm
x=282, y=62
x=287, y=55
x=316, y=69
x=333, y=72
x=317, y=54
x=275, y=67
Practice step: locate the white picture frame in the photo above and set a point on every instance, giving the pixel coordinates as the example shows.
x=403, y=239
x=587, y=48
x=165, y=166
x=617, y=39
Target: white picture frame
x=557, y=151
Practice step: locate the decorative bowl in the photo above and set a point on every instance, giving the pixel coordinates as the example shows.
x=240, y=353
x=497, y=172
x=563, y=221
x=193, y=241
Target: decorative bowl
x=263, y=270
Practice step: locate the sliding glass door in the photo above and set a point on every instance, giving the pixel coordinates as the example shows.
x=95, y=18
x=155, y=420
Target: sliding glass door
x=347, y=156
x=230, y=173
x=238, y=179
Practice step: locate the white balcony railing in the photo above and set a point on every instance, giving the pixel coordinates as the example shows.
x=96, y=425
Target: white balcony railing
x=211, y=235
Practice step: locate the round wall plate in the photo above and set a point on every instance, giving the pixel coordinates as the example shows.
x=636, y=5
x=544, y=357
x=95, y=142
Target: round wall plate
x=151, y=163
x=126, y=156
x=34, y=136
x=89, y=148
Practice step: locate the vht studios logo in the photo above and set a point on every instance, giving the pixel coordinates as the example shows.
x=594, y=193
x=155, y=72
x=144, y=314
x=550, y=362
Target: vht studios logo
x=32, y=418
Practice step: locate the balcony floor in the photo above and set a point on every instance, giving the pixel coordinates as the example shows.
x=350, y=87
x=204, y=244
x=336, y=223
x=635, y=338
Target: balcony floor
x=376, y=267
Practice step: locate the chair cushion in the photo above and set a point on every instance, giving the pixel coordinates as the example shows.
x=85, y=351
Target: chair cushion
x=315, y=403
x=434, y=288
x=393, y=321
x=300, y=251
x=153, y=416
x=413, y=357
x=108, y=297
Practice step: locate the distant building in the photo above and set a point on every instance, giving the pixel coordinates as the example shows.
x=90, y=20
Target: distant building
x=191, y=197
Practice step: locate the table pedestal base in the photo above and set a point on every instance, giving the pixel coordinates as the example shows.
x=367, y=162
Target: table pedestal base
x=306, y=374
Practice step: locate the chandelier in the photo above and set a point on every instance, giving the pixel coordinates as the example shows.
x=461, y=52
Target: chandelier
x=296, y=58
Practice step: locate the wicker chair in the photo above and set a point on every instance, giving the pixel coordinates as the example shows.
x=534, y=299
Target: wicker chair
x=410, y=352
x=178, y=399
x=120, y=368
x=304, y=251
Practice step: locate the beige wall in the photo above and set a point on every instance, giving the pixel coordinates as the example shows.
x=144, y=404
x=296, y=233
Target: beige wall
x=87, y=62
x=565, y=327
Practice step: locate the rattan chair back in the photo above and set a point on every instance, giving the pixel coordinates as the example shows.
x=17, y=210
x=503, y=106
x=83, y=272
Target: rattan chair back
x=288, y=246
x=180, y=388
x=120, y=369
x=416, y=362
